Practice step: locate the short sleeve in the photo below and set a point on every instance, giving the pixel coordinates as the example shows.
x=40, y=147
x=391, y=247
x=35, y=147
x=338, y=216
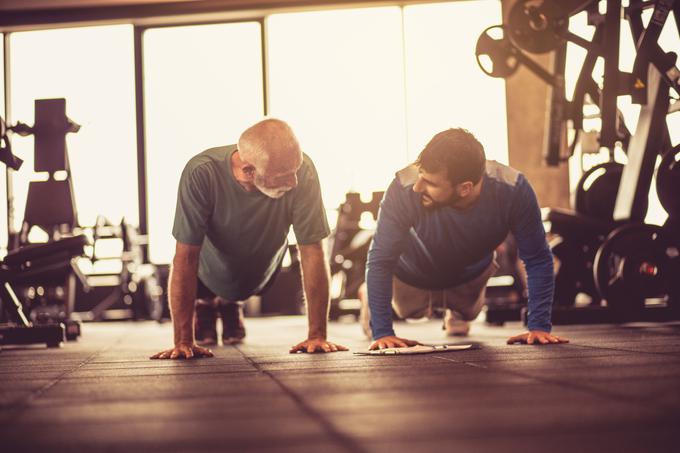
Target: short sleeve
x=195, y=204
x=309, y=215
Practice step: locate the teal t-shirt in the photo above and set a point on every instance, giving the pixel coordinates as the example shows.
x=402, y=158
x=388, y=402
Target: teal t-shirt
x=243, y=234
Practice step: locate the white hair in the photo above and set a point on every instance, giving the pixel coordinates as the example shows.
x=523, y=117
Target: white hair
x=268, y=143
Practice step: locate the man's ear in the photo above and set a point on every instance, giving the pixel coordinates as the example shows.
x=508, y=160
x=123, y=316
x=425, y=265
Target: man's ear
x=465, y=188
x=248, y=170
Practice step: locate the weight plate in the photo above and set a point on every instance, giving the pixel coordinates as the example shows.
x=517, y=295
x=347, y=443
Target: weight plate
x=501, y=56
x=596, y=190
x=635, y=263
x=532, y=27
x=668, y=182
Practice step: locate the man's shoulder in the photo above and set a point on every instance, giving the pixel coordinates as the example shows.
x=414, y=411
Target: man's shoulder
x=307, y=163
x=407, y=176
x=306, y=158
x=503, y=174
x=211, y=155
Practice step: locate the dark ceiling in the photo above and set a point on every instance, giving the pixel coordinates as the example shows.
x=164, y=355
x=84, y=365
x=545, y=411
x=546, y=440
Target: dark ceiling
x=30, y=14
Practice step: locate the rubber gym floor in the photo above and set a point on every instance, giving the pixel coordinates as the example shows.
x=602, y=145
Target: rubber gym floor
x=612, y=389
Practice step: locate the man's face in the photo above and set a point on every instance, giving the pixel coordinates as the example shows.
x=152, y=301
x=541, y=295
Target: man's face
x=435, y=189
x=274, y=182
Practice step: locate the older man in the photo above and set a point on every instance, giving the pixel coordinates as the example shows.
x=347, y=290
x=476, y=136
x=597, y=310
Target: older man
x=235, y=207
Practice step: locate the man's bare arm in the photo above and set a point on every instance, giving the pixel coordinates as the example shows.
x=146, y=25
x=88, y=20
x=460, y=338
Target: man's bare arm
x=315, y=279
x=182, y=291
x=181, y=297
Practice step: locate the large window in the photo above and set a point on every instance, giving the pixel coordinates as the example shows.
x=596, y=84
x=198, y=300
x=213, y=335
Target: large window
x=203, y=87
x=444, y=86
x=338, y=78
x=364, y=89
x=93, y=69
x=365, y=102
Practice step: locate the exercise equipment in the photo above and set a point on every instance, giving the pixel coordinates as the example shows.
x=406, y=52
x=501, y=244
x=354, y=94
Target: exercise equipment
x=41, y=272
x=129, y=292
x=600, y=275
x=496, y=56
x=638, y=263
x=349, y=246
x=43, y=275
x=596, y=191
x=48, y=261
x=539, y=26
x=668, y=183
x=119, y=284
x=6, y=156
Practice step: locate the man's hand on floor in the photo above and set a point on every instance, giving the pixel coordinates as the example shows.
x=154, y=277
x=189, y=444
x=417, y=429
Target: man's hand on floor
x=317, y=345
x=183, y=351
x=392, y=341
x=537, y=337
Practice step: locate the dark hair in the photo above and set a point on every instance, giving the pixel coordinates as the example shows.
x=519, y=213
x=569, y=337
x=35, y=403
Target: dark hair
x=458, y=152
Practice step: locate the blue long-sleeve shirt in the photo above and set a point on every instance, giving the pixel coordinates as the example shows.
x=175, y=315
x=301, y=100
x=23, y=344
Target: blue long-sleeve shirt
x=442, y=248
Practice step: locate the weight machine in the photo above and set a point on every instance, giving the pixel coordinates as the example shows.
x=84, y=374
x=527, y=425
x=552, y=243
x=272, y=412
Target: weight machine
x=627, y=270
x=41, y=281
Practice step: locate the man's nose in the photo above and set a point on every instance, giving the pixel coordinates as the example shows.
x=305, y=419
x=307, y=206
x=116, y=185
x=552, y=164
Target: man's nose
x=417, y=187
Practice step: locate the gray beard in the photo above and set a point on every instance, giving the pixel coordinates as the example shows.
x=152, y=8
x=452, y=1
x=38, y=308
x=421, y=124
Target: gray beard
x=274, y=193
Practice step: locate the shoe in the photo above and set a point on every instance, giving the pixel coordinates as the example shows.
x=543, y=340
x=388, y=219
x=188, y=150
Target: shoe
x=233, y=329
x=205, y=323
x=454, y=325
x=365, y=313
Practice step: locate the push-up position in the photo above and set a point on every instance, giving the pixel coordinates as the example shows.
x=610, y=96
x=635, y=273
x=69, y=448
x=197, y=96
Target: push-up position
x=235, y=207
x=438, y=226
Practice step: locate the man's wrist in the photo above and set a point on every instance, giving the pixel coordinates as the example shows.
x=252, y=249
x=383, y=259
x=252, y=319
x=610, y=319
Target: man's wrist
x=184, y=338
x=383, y=333
x=316, y=334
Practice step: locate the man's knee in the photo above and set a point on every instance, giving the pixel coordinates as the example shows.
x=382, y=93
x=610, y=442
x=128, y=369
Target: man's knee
x=409, y=302
x=206, y=302
x=411, y=312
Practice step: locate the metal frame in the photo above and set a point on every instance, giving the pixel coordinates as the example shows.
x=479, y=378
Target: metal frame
x=166, y=13
x=7, y=115
x=140, y=127
x=265, y=65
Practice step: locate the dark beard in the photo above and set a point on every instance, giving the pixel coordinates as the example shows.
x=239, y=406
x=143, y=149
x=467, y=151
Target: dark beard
x=449, y=203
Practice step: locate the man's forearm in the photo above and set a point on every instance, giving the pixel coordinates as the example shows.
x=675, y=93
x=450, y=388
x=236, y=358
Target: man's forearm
x=379, y=293
x=541, y=286
x=315, y=278
x=181, y=295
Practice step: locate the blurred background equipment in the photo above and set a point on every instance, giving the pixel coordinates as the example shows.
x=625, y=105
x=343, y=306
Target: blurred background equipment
x=44, y=273
x=56, y=267
x=610, y=265
x=51, y=265
x=349, y=245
